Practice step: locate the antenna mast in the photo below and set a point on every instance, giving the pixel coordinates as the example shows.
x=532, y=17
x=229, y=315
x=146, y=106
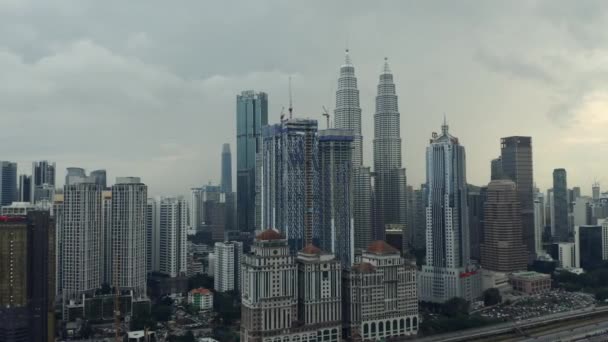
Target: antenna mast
x=326, y=115
x=290, y=100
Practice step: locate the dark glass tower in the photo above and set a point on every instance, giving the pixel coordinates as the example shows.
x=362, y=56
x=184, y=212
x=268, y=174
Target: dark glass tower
x=8, y=182
x=561, y=231
x=226, y=169
x=516, y=156
x=25, y=186
x=43, y=172
x=251, y=116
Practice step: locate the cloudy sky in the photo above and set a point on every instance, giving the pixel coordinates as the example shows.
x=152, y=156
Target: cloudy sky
x=147, y=88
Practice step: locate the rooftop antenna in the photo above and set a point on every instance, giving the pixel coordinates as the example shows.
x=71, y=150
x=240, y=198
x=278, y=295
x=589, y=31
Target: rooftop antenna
x=290, y=100
x=282, y=113
x=326, y=115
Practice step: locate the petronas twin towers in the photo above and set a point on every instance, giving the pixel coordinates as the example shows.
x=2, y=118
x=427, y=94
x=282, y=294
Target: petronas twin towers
x=382, y=205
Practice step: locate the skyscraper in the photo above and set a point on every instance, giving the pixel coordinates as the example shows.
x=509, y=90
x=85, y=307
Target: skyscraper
x=560, y=206
x=539, y=223
x=362, y=211
x=227, y=270
x=99, y=177
x=496, y=169
x=347, y=114
x=476, y=198
x=595, y=191
x=8, y=182
x=128, y=225
x=76, y=174
x=27, y=287
x=336, y=188
x=226, y=169
x=199, y=196
x=516, y=155
x=173, y=236
x=251, y=116
x=81, y=234
x=43, y=172
x=152, y=235
x=390, y=184
x=25, y=188
x=503, y=249
x=447, y=272
x=290, y=177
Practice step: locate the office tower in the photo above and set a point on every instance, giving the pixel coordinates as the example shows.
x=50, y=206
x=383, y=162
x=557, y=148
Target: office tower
x=347, y=114
x=496, y=169
x=197, y=203
x=74, y=175
x=251, y=116
x=380, y=296
x=25, y=188
x=565, y=253
x=576, y=193
x=227, y=270
x=604, y=224
x=43, y=172
x=390, y=183
x=362, y=207
x=516, y=154
x=273, y=306
x=8, y=182
x=476, y=199
x=27, y=288
x=589, y=246
x=81, y=234
x=420, y=218
x=595, y=190
x=336, y=188
x=539, y=223
x=582, y=211
x=320, y=292
x=503, y=249
x=153, y=235
x=290, y=177
x=128, y=226
x=173, y=226
x=226, y=169
x=99, y=177
x=106, y=224
x=447, y=272
x=560, y=206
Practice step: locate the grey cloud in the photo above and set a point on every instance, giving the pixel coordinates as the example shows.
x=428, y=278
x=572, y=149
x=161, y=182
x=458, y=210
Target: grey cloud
x=513, y=66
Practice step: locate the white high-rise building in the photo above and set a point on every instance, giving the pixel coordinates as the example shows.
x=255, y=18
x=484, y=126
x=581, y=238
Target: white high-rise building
x=153, y=235
x=448, y=272
x=228, y=257
x=128, y=226
x=539, y=223
x=173, y=247
x=81, y=235
x=581, y=211
x=567, y=255
x=106, y=226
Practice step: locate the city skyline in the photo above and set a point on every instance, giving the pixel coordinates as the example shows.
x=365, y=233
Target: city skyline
x=526, y=85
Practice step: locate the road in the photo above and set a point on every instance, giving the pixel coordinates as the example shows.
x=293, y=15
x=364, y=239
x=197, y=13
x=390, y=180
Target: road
x=567, y=334
x=503, y=328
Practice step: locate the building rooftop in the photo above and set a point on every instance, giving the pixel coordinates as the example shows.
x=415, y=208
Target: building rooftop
x=201, y=290
x=269, y=235
x=530, y=275
x=381, y=247
x=311, y=249
x=364, y=267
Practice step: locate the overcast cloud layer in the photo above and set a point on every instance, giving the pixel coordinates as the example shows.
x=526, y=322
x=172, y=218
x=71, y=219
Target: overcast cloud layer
x=147, y=88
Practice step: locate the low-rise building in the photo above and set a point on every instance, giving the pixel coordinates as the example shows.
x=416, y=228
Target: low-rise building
x=498, y=280
x=530, y=282
x=201, y=298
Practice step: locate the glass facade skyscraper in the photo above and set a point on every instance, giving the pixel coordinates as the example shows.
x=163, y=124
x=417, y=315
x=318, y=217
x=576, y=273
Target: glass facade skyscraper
x=8, y=182
x=560, y=206
x=251, y=116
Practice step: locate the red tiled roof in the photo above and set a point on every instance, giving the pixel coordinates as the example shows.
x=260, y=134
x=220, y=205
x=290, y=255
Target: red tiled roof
x=269, y=234
x=381, y=247
x=311, y=249
x=364, y=267
x=201, y=290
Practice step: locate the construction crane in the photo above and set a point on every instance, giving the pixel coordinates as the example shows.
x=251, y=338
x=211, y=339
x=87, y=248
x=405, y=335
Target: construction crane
x=326, y=115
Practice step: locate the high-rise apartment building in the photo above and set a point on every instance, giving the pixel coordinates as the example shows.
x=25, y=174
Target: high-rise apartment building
x=27, y=284
x=560, y=203
x=290, y=179
x=99, y=177
x=226, y=169
x=106, y=224
x=362, y=207
x=516, y=155
x=448, y=272
x=251, y=116
x=199, y=196
x=288, y=300
x=25, y=188
x=153, y=235
x=336, y=188
x=173, y=216
x=390, y=182
x=43, y=172
x=76, y=174
x=476, y=198
x=128, y=227
x=81, y=235
x=380, y=296
x=8, y=182
x=227, y=270
x=503, y=249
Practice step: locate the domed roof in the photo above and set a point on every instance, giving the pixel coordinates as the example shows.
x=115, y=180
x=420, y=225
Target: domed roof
x=311, y=249
x=381, y=247
x=269, y=235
